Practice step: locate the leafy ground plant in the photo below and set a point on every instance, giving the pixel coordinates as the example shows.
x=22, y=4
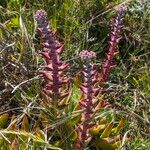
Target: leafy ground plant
x=55, y=127
x=32, y=116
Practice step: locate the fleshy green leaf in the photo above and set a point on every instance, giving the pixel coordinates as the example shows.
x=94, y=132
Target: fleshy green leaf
x=4, y=120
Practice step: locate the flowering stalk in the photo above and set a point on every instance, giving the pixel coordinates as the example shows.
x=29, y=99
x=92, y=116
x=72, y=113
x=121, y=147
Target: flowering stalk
x=88, y=87
x=114, y=40
x=54, y=67
x=87, y=104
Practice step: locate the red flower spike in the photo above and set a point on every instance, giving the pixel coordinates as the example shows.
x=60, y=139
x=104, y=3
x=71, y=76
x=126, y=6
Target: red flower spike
x=54, y=69
x=89, y=86
x=89, y=90
x=114, y=40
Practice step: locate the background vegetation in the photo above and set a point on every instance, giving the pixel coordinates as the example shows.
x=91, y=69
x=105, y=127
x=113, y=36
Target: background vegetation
x=79, y=25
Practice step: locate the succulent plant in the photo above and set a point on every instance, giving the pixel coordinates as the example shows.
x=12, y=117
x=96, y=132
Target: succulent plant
x=91, y=91
x=17, y=133
x=56, y=87
x=115, y=37
x=106, y=134
x=54, y=127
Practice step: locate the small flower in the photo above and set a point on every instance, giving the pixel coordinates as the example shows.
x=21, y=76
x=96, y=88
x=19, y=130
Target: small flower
x=41, y=18
x=87, y=54
x=40, y=15
x=120, y=8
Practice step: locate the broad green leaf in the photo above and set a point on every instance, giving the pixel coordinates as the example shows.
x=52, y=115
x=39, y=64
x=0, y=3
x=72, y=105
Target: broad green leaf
x=15, y=21
x=39, y=133
x=102, y=120
x=4, y=120
x=107, y=131
x=116, y=144
x=33, y=137
x=74, y=120
x=95, y=130
x=25, y=124
x=121, y=124
x=104, y=145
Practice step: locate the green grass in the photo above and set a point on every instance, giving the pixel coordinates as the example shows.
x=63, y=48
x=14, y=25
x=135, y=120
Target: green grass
x=79, y=25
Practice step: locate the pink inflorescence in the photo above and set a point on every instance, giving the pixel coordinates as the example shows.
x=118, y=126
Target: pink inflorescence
x=87, y=104
x=40, y=15
x=114, y=40
x=54, y=67
x=120, y=8
x=41, y=18
x=87, y=54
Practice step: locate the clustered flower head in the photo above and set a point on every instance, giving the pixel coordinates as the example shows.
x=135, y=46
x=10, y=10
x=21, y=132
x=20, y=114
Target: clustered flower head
x=120, y=8
x=85, y=54
x=40, y=15
x=41, y=18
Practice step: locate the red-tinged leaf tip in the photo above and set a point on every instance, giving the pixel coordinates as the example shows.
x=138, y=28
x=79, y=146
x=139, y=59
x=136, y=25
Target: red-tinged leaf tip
x=47, y=45
x=50, y=67
x=60, y=49
x=82, y=104
x=65, y=81
x=83, y=89
x=47, y=75
x=45, y=54
x=63, y=67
